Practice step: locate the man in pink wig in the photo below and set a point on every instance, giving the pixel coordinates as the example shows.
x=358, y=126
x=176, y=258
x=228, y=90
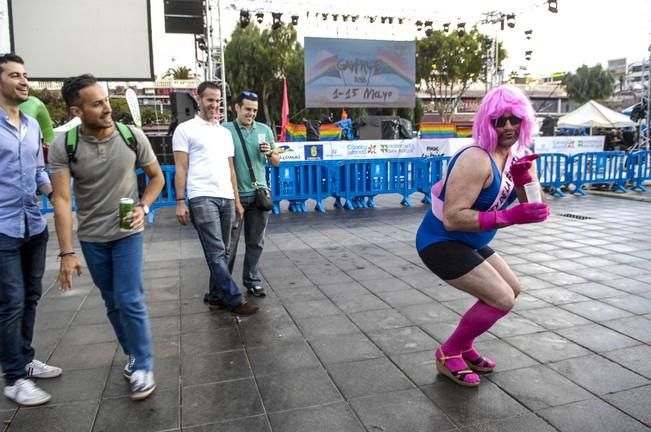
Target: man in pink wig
x=468, y=206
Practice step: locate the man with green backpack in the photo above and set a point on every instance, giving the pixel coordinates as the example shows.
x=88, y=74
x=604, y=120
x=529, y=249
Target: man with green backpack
x=101, y=157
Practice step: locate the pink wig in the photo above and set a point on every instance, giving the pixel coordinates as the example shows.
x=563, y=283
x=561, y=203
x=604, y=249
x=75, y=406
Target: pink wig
x=501, y=100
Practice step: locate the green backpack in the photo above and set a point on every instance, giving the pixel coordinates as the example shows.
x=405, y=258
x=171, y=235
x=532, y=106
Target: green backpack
x=72, y=140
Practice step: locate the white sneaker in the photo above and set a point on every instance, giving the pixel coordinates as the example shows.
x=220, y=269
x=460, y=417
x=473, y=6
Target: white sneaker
x=38, y=369
x=25, y=392
x=142, y=384
x=128, y=368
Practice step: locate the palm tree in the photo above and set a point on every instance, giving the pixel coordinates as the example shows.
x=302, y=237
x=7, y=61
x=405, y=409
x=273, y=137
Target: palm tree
x=589, y=83
x=178, y=73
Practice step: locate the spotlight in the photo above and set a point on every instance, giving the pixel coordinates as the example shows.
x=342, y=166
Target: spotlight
x=488, y=42
x=294, y=20
x=383, y=20
x=324, y=16
x=527, y=55
x=245, y=18
x=354, y=18
x=345, y=17
x=201, y=42
x=335, y=16
x=390, y=20
x=400, y=20
x=419, y=25
x=446, y=27
x=259, y=17
x=510, y=20
x=552, y=6
x=528, y=33
x=461, y=29
x=371, y=19
x=275, y=16
x=429, y=31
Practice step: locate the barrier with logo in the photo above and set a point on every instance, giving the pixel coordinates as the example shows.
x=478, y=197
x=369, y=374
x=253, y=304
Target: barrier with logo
x=355, y=183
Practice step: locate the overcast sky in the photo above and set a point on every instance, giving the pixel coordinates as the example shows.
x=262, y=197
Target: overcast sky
x=582, y=32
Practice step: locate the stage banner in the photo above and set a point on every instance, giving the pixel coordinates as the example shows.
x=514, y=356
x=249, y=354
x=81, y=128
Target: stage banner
x=569, y=145
x=347, y=73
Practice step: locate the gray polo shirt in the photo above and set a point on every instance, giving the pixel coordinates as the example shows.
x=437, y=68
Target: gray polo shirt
x=103, y=173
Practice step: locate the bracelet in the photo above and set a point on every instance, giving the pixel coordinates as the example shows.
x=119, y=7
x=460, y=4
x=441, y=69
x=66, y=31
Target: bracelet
x=180, y=199
x=66, y=253
x=49, y=196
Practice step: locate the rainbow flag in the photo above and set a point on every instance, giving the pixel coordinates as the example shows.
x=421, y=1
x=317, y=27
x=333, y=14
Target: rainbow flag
x=397, y=64
x=437, y=130
x=329, y=132
x=464, y=131
x=296, y=132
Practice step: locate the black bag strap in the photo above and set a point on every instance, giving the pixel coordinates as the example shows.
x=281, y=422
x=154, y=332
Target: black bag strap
x=246, y=155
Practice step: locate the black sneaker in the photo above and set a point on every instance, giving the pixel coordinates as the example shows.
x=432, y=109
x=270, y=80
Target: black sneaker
x=257, y=291
x=213, y=302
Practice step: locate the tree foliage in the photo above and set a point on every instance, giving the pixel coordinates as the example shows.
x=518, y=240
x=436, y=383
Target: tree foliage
x=589, y=83
x=257, y=60
x=447, y=64
x=178, y=73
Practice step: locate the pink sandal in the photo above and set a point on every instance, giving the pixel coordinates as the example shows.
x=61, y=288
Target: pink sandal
x=476, y=362
x=464, y=377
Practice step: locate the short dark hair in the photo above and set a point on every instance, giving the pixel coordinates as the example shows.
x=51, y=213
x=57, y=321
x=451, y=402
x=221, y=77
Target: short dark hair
x=10, y=57
x=206, y=85
x=246, y=95
x=73, y=85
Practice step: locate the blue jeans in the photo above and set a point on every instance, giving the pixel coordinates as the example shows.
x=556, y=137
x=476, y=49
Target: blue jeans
x=116, y=269
x=22, y=264
x=213, y=219
x=254, y=226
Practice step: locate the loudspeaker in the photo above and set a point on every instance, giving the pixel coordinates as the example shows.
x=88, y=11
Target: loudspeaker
x=313, y=130
x=371, y=127
x=183, y=107
x=390, y=129
x=184, y=16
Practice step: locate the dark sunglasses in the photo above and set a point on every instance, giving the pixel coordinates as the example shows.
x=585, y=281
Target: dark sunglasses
x=248, y=95
x=500, y=122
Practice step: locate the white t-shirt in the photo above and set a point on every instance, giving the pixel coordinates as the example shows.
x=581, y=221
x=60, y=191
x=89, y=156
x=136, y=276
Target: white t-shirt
x=208, y=147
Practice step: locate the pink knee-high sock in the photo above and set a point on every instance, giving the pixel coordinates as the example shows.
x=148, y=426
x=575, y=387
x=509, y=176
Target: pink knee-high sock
x=477, y=320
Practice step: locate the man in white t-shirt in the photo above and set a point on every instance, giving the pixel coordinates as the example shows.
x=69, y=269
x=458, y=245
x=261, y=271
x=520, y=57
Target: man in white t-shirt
x=203, y=154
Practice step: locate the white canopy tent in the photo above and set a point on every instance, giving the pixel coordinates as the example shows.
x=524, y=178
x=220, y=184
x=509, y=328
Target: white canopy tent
x=592, y=114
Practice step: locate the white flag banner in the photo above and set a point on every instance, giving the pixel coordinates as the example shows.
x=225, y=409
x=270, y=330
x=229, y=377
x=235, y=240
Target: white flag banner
x=134, y=108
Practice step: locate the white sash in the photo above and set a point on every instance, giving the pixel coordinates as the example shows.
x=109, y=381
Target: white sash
x=506, y=187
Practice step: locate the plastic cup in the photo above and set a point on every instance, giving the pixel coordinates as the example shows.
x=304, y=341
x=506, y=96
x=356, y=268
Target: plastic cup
x=262, y=139
x=533, y=192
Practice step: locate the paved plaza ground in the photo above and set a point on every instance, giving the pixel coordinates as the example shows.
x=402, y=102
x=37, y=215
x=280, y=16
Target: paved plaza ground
x=344, y=340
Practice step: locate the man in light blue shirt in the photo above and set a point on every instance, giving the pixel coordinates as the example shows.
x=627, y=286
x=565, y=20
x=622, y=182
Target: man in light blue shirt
x=23, y=237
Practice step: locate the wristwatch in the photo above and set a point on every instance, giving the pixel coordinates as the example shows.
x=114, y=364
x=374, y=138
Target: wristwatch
x=145, y=208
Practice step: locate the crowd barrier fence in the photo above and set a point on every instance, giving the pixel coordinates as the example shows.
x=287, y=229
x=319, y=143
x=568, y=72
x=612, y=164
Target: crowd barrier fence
x=355, y=183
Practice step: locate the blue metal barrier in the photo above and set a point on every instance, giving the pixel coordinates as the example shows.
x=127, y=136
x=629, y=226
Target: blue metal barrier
x=638, y=169
x=551, y=171
x=426, y=172
x=167, y=197
x=597, y=167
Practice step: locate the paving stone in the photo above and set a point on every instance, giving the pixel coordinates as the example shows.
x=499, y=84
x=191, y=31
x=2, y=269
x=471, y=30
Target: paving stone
x=634, y=402
x=367, y=377
x=553, y=318
x=629, y=285
x=79, y=385
x=408, y=410
x=211, y=403
x=73, y=417
x=590, y=416
x=597, y=338
x=402, y=340
x=248, y=424
x=84, y=357
x=547, y=347
x=526, y=302
x=299, y=388
x=364, y=302
x=419, y=366
x=344, y=348
x=402, y=298
x=527, y=422
x=595, y=310
x=595, y=290
x=539, y=387
x=88, y=334
x=266, y=359
x=634, y=358
x=312, y=308
x=336, y=417
x=467, y=406
x=385, y=285
x=270, y=333
x=428, y=313
x=216, y=367
x=513, y=325
x=326, y=326
x=206, y=321
x=631, y=303
x=160, y=411
x=558, y=296
x=598, y=374
x=379, y=319
x=217, y=340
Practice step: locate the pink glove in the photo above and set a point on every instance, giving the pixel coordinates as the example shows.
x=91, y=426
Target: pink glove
x=520, y=170
x=520, y=214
